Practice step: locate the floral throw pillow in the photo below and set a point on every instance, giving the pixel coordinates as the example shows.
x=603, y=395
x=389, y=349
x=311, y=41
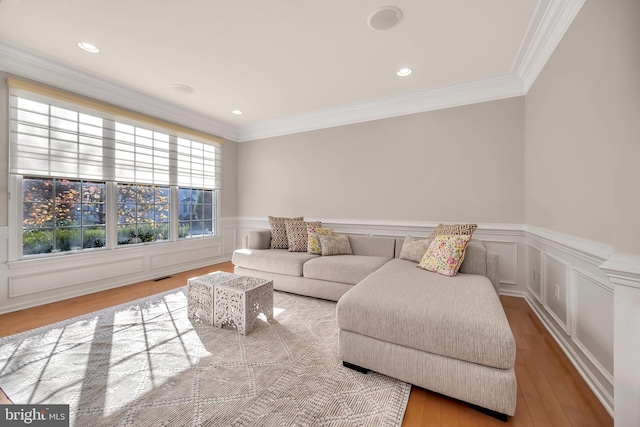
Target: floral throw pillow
x=445, y=254
x=313, y=242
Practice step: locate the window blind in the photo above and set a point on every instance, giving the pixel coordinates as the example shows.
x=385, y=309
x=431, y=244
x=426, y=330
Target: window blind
x=55, y=134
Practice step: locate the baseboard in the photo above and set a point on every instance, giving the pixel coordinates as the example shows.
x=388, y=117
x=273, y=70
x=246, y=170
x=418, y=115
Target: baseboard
x=510, y=293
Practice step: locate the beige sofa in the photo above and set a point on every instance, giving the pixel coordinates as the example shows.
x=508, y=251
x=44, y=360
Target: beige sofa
x=446, y=334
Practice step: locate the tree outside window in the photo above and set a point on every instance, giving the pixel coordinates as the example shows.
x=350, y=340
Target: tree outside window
x=62, y=215
x=196, y=212
x=143, y=213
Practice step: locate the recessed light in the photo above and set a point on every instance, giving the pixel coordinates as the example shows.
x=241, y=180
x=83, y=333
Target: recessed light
x=404, y=72
x=236, y=112
x=88, y=47
x=184, y=89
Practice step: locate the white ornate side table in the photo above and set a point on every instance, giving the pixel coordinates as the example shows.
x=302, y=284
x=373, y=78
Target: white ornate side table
x=240, y=300
x=200, y=294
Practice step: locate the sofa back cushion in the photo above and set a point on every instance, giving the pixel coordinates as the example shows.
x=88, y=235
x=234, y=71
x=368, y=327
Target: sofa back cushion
x=259, y=239
x=373, y=246
x=475, y=258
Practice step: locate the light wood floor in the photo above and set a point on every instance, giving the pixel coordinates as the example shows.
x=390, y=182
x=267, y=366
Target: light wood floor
x=550, y=390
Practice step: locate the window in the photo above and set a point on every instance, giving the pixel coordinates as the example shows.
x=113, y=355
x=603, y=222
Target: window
x=61, y=215
x=67, y=152
x=196, y=212
x=143, y=213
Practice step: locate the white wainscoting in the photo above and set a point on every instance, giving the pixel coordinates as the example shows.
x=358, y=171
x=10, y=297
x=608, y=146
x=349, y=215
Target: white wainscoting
x=624, y=273
x=573, y=297
x=507, y=240
x=32, y=282
x=532, y=262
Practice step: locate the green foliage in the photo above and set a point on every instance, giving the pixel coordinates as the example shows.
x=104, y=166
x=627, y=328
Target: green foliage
x=143, y=233
x=41, y=241
x=184, y=231
x=37, y=242
x=93, y=238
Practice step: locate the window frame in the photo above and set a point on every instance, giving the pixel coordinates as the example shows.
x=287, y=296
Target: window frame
x=15, y=240
x=111, y=115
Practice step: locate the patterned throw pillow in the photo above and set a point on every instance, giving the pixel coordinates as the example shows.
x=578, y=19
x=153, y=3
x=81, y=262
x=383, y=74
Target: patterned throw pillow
x=279, y=232
x=462, y=229
x=413, y=249
x=297, y=234
x=335, y=245
x=313, y=243
x=445, y=254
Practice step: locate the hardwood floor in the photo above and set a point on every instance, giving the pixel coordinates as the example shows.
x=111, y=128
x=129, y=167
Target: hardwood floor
x=550, y=390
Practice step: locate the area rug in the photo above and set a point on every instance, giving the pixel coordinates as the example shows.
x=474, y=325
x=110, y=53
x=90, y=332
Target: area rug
x=146, y=364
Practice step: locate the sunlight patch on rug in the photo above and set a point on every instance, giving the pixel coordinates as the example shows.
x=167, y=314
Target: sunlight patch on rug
x=146, y=363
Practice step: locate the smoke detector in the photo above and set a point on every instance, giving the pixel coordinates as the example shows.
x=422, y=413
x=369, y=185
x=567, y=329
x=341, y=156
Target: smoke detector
x=384, y=18
x=184, y=89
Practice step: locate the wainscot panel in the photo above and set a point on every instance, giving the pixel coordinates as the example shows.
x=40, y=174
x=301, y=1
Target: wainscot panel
x=556, y=292
x=580, y=317
x=534, y=278
x=508, y=253
x=593, y=334
x=186, y=256
x=27, y=284
x=36, y=281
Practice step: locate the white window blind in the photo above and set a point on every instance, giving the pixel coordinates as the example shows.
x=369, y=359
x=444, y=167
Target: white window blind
x=55, y=134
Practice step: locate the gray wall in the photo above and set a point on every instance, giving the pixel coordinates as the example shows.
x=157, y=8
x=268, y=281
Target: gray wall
x=459, y=164
x=626, y=95
x=582, y=135
x=229, y=202
x=4, y=149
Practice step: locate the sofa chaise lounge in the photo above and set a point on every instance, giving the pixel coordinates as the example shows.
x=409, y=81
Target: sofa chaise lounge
x=445, y=334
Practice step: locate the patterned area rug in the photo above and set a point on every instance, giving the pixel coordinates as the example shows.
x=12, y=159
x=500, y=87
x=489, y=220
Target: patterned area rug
x=146, y=364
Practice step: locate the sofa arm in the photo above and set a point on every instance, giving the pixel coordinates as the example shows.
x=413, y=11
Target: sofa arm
x=493, y=269
x=259, y=239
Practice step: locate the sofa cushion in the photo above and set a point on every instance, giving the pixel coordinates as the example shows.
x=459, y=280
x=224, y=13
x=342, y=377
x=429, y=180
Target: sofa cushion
x=413, y=249
x=342, y=268
x=279, y=261
x=475, y=258
x=459, y=317
x=373, y=246
x=279, y=231
x=334, y=245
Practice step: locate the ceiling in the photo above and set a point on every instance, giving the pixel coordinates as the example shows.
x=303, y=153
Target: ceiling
x=287, y=60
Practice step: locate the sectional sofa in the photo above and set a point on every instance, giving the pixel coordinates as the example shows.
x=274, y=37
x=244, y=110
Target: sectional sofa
x=446, y=334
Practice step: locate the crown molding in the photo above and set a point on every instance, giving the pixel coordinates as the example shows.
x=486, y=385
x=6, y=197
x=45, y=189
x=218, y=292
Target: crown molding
x=550, y=22
x=471, y=92
x=548, y=25
x=30, y=65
